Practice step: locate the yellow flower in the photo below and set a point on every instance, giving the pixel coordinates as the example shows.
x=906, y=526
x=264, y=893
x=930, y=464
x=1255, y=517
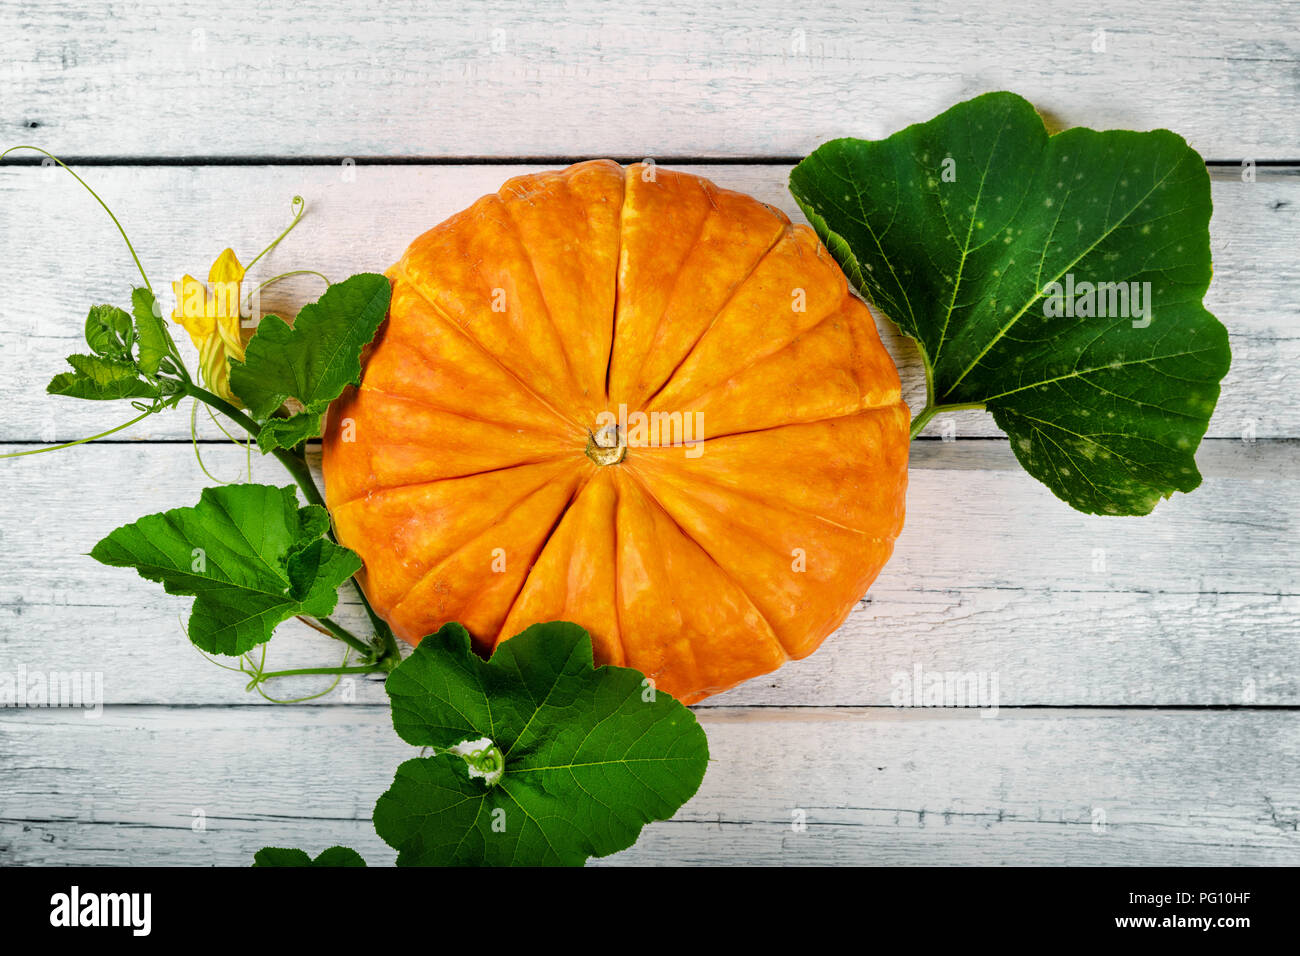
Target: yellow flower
x=210, y=313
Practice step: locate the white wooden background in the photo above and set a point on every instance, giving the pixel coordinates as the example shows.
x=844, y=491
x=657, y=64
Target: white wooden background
x=1147, y=667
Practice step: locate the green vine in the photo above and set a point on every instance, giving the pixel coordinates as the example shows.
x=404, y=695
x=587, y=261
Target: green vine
x=172, y=381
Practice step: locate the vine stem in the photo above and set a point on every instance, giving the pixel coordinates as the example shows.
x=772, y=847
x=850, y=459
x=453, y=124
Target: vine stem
x=299, y=206
x=921, y=420
x=80, y=441
x=343, y=634
x=296, y=465
x=305, y=671
x=121, y=231
x=286, y=275
x=927, y=413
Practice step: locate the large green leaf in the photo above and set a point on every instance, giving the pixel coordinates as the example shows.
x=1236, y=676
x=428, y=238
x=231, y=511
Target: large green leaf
x=248, y=553
x=540, y=759
x=312, y=361
x=957, y=228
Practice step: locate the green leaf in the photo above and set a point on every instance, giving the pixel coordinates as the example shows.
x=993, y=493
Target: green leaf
x=113, y=372
x=101, y=379
x=312, y=361
x=248, y=553
x=155, y=343
x=109, y=333
x=289, y=432
x=335, y=856
x=958, y=228
x=541, y=759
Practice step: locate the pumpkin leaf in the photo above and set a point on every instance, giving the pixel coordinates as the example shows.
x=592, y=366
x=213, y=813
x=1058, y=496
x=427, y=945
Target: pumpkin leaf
x=98, y=378
x=540, y=759
x=113, y=371
x=334, y=856
x=312, y=361
x=155, y=342
x=249, y=554
x=109, y=332
x=1054, y=280
x=289, y=432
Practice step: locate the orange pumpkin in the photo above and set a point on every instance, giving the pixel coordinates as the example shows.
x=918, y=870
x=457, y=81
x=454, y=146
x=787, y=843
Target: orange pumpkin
x=629, y=399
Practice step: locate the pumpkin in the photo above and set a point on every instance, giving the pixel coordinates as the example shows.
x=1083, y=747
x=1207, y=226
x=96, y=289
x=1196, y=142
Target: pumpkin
x=629, y=399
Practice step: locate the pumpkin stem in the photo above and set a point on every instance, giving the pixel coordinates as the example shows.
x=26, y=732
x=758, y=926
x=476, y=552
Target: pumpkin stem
x=607, y=445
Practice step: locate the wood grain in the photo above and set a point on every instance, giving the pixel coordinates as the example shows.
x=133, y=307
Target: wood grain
x=69, y=256
x=583, y=78
x=877, y=786
x=1195, y=606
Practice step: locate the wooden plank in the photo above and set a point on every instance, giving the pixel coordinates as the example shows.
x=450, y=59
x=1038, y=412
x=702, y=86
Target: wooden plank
x=68, y=256
x=486, y=77
x=876, y=786
x=1194, y=604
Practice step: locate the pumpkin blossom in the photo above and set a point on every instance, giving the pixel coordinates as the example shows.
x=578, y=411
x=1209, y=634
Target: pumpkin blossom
x=210, y=313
